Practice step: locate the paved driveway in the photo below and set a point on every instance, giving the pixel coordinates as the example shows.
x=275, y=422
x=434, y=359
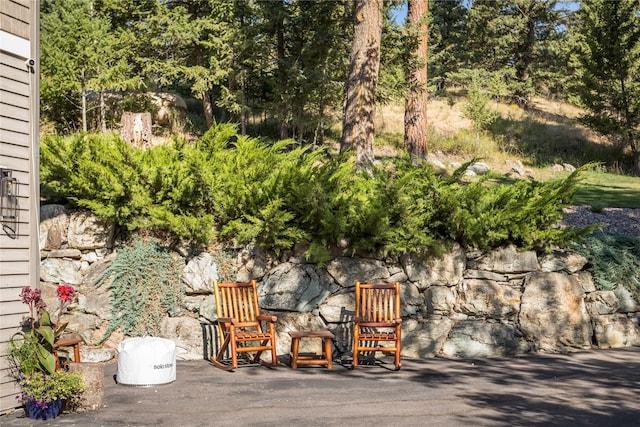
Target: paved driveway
x=599, y=388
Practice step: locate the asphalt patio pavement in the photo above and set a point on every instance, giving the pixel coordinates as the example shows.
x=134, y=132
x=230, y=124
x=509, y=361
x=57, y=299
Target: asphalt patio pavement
x=597, y=388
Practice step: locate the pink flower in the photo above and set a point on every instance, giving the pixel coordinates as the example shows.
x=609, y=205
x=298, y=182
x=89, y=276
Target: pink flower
x=65, y=293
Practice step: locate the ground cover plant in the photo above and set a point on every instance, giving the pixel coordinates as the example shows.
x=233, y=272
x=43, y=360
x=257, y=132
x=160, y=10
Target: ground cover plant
x=614, y=261
x=226, y=187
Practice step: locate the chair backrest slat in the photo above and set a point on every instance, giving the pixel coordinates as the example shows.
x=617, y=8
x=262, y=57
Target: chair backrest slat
x=378, y=303
x=237, y=300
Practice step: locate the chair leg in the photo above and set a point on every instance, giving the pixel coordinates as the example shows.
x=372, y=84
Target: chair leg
x=398, y=347
x=355, y=346
x=217, y=361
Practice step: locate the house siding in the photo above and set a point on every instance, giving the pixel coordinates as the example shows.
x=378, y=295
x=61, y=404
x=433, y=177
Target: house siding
x=19, y=141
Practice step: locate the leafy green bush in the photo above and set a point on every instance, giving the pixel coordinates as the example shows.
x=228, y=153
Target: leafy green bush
x=145, y=284
x=234, y=188
x=614, y=259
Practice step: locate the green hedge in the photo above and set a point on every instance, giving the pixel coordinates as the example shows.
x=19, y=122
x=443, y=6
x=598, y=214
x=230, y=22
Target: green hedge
x=226, y=186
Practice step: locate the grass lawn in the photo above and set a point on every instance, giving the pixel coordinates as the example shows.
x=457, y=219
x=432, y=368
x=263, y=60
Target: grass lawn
x=601, y=190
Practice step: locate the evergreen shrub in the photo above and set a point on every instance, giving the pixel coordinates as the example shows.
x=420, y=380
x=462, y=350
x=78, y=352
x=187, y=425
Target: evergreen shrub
x=614, y=259
x=236, y=189
x=145, y=283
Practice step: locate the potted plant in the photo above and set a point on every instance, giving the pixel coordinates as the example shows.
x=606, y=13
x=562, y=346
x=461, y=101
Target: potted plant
x=44, y=389
x=44, y=395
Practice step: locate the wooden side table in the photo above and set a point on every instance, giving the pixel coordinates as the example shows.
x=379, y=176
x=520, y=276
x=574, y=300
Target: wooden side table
x=297, y=359
x=67, y=342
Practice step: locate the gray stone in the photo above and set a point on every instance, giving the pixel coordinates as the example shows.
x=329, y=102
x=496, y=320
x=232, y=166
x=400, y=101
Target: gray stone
x=200, y=273
x=295, y=287
x=440, y=299
x=436, y=163
x=553, y=314
x=347, y=271
x=506, y=260
x=95, y=271
x=479, y=168
x=87, y=231
x=563, y=261
x=84, y=325
x=568, y=167
x=202, y=306
x=187, y=333
x=94, y=355
x=411, y=300
x=54, y=224
x=64, y=253
x=626, y=302
x=487, y=298
x=59, y=270
x=516, y=166
x=447, y=269
x=252, y=262
x=99, y=303
x=298, y=322
x=338, y=308
x=586, y=281
x=424, y=339
x=90, y=257
x=482, y=274
x=479, y=338
x=616, y=330
x=601, y=302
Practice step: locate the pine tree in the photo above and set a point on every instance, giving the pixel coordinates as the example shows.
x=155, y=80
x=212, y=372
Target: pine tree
x=415, y=113
x=362, y=81
x=81, y=54
x=608, y=50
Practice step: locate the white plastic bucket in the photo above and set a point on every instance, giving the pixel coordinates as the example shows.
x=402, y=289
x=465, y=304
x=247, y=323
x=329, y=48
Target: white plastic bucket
x=146, y=361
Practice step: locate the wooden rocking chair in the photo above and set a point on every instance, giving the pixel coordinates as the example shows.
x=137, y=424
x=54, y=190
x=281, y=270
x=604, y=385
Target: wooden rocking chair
x=377, y=320
x=240, y=324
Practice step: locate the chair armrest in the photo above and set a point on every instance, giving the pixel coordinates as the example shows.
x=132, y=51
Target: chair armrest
x=267, y=318
x=398, y=320
x=227, y=320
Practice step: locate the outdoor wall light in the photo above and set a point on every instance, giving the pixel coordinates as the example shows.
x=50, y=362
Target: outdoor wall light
x=9, y=203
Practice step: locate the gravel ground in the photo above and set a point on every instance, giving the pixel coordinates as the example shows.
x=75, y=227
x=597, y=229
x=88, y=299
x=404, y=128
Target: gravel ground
x=619, y=220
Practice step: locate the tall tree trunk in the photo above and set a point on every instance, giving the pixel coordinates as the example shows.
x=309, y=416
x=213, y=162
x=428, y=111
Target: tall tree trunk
x=362, y=82
x=103, y=113
x=415, y=112
x=84, y=103
x=207, y=106
x=282, y=73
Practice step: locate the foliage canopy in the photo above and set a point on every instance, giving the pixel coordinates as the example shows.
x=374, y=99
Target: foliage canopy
x=238, y=189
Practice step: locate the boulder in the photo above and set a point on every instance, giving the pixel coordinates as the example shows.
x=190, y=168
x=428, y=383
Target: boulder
x=338, y=308
x=563, y=261
x=506, y=260
x=486, y=298
x=187, y=333
x=54, y=224
x=553, y=313
x=62, y=270
x=601, y=302
x=423, y=339
x=200, y=273
x=87, y=231
x=295, y=287
x=440, y=299
x=298, y=322
x=479, y=338
x=616, y=330
x=445, y=270
x=347, y=271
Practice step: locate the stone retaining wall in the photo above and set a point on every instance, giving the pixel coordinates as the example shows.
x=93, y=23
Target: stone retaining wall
x=462, y=304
